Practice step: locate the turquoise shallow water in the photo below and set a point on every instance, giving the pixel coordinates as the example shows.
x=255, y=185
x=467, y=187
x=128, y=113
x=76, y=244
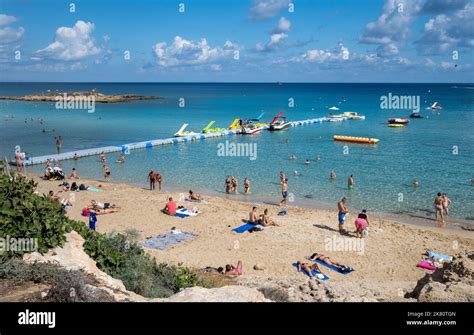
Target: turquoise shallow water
x=423, y=150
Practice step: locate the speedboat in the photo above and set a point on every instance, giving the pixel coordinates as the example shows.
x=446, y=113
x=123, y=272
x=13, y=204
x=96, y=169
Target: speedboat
x=333, y=108
x=279, y=123
x=251, y=130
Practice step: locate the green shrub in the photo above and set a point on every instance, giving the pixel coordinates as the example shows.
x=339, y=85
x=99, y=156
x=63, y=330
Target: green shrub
x=24, y=214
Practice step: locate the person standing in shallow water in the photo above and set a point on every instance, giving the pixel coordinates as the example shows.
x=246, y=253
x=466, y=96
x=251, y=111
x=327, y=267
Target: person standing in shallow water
x=159, y=179
x=152, y=180
x=246, y=185
x=58, y=144
x=227, y=184
x=438, y=204
x=350, y=182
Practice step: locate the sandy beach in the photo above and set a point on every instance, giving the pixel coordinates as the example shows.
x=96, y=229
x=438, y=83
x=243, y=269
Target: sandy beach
x=388, y=255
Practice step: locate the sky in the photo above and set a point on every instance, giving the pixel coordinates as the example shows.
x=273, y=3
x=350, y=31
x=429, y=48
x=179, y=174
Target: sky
x=237, y=40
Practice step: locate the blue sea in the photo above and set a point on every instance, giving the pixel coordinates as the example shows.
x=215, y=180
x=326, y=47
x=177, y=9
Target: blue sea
x=438, y=150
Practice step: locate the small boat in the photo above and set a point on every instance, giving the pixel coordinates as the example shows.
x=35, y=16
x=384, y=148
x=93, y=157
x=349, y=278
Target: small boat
x=349, y=115
x=333, y=108
x=397, y=120
x=416, y=116
x=367, y=140
x=279, y=123
x=182, y=133
x=251, y=130
x=398, y=125
x=240, y=124
x=436, y=105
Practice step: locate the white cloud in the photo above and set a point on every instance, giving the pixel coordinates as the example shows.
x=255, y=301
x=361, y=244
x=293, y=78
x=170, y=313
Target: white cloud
x=320, y=56
x=9, y=35
x=265, y=9
x=7, y=19
x=71, y=43
x=277, y=35
x=446, y=32
x=186, y=52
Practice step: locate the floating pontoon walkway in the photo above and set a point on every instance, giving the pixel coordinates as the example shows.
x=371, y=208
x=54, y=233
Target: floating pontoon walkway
x=149, y=144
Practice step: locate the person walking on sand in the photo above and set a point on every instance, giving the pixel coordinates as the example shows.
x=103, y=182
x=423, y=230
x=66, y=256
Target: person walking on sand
x=246, y=185
x=342, y=212
x=228, y=184
x=350, y=182
x=151, y=179
x=58, y=144
x=159, y=179
x=438, y=205
x=284, y=191
x=446, y=203
x=106, y=173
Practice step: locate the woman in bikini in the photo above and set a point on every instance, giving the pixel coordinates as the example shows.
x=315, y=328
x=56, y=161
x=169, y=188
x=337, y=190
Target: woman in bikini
x=308, y=269
x=326, y=259
x=439, y=208
x=230, y=270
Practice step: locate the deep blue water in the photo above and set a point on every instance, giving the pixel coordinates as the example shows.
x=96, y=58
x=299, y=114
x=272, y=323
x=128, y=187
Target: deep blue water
x=425, y=149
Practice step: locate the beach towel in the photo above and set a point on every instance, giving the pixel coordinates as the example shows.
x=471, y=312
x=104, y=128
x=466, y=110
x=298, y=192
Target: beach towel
x=165, y=241
x=243, y=228
x=314, y=272
x=444, y=258
x=184, y=213
x=93, y=189
x=426, y=265
x=332, y=267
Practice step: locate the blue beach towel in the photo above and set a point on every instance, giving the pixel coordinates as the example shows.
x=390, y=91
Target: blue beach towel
x=93, y=189
x=165, y=241
x=314, y=272
x=436, y=255
x=243, y=228
x=349, y=270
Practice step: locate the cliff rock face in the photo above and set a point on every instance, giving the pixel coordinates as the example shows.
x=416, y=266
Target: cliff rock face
x=453, y=282
x=72, y=257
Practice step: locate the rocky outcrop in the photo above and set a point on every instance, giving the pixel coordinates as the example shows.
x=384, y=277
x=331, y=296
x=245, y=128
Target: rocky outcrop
x=454, y=282
x=73, y=257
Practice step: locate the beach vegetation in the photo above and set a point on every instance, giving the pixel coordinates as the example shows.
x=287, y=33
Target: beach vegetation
x=26, y=214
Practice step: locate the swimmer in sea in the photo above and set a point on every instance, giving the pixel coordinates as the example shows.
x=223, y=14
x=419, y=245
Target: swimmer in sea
x=293, y=157
x=332, y=176
x=318, y=158
x=415, y=183
x=121, y=158
x=307, y=162
x=350, y=182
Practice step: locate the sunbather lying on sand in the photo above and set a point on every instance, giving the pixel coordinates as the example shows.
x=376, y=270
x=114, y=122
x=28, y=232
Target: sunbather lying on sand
x=326, y=259
x=194, y=196
x=99, y=205
x=230, y=270
x=56, y=197
x=308, y=269
x=106, y=211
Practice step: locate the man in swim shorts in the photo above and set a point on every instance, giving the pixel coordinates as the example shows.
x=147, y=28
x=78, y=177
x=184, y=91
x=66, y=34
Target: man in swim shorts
x=152, y=179
x=284, y=191
x=350, y=182
x=342, y=211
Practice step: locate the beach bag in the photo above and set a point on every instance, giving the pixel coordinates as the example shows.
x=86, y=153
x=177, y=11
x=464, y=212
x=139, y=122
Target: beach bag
x=82, y=187
x=85, y=211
